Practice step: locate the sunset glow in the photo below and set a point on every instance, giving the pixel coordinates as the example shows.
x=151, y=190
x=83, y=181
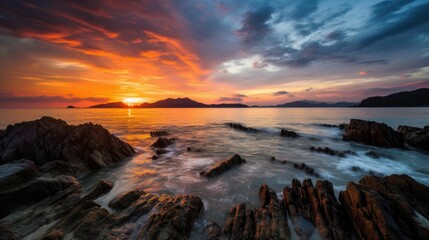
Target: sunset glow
x=133, y=101
x=84, y=53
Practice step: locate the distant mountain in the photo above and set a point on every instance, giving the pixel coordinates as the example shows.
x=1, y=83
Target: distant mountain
x=308, y=103
x=111, y=105
x=172, y=103
x=416, y=98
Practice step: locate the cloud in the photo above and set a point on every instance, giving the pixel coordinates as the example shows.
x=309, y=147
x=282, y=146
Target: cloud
x=229, y=99
x=303, y=9
x=240, y=95
x=254, y=26
x=48, y=99
x=280, y=93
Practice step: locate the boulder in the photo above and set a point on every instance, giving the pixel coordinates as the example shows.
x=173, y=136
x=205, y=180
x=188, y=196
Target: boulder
x=416, y=137
x=158, y=133
x=163, y=142
x=174, y=219
x=223, y=166
x=83, y=147
x=267, y=222
x=373, y=133
x=16, y=172
x=288, y=133
x=241, y=127
x=393, y=207
x=34, y=191
x=212, y=231
x=124, y=200
x=100, y=189
x=316, y=206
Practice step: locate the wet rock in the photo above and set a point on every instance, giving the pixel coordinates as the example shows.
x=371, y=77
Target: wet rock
x=161, y=151
x=377, y=155
x=288, y=133
x=241, y=127
x=188, y=149
x=310, y=206
x=16, y=172
x=342, y=126
x=124, y=200
x=272, y=158
x=328, y=125
x=83, y=147
x=356, y=169
x=57, y=167
x=332, y=152
x=267, y=222
x=158, y=133
x=212, y=231
x=393, y=207
x=154, y=157
x=416, y=137
x=304, y=167
x=174, y=219
x=100, y=189
x=163, y=142
x=373, y=133
x=34, y=191
x=223, y=166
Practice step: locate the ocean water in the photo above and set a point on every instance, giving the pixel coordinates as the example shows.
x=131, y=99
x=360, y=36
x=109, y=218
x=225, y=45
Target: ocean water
x=205, y=130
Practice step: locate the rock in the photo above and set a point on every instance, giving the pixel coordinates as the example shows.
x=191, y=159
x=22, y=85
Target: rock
x=331, y=152
x=373, y=133
x=34, y=191
x=377, y=155
x=163, y=142
x=174, y=219
x=267, y=222
x=356, y=169
x=101, y=188
x=124, y=200
x=272, y=158
x=304, y=167
x=416, y=137
x=328, y=125
x=83, y=147
x=223, y=166
x=393, y=207
x=241, y=127
x=161, y=151
x=158, y=133
x=212, y=231
x=188, y=149
x=342, y=126
x=154, y=157
x=16, y=172
x=288, y=133
x=310, y=206
x=57, y=167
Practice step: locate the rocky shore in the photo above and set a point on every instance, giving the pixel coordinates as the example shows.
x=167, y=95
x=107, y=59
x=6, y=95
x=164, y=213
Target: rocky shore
x=41, y=198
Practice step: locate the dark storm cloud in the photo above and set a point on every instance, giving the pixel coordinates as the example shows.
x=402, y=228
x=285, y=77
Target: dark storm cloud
x=385, y=8
x=47, y=99
x=254, y=26
x=280, y=93
x=380, y=61
x=410, y=19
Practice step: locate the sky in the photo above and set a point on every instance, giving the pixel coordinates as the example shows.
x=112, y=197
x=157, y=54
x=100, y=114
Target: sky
x=57, y=53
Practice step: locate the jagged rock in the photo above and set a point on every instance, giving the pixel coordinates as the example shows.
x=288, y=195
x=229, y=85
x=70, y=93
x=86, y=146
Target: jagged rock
x=241, y=127
x=101, y=188
x=158, y=133
x=16, y=172
x=288, y=133
x=309, y=206
x=373, y=133
x=124, y=200
x=174, y=219
x=155, y=157
x=388, y=208
x=267, y=222
x=161, y=151
x=304, y=167
x=34, y=191
x=83, y=147
x=212, y=231
x=223, y=166
x=163, y=142
x=416, y=137
x=331, y=152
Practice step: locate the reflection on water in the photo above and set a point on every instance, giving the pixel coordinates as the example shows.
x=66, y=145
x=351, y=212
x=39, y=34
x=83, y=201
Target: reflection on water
x=204, y=130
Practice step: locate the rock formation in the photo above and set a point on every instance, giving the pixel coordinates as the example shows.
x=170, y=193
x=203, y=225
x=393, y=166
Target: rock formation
x=373, y=133
x=223, y=166
x=288, y=133
x=416, y=137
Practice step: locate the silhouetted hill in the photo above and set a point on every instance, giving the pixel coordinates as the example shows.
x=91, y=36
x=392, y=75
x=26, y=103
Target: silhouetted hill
x=111, y=105
x=172, y=103
x=308, y=103
x=416, y=98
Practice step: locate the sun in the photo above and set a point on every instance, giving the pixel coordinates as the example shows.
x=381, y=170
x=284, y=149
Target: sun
x=132, y=101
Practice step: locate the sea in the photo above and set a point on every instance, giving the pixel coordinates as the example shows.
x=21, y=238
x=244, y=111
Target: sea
x=205, y=131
